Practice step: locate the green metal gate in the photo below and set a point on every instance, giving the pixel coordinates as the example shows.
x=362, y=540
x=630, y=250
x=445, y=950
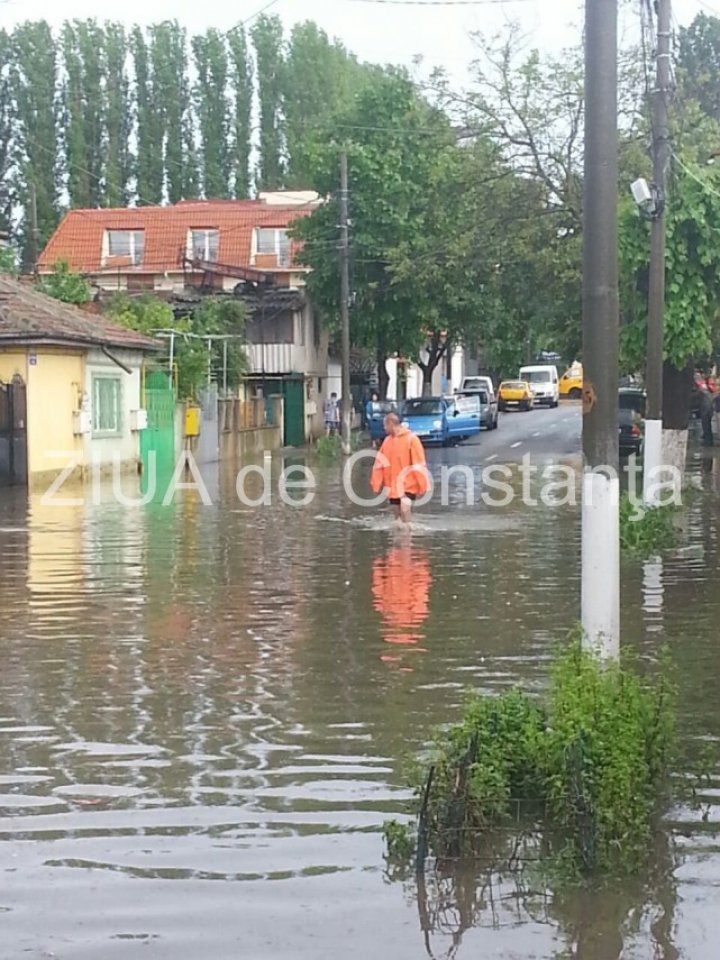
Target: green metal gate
x=293, y=390
x=158, y=438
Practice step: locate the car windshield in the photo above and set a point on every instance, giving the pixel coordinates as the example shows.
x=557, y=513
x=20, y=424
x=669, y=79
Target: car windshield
x=514, y=385
x=475, y=383
x=537, y=376
x=423, y=408
x=632, y=401
x=382, y=407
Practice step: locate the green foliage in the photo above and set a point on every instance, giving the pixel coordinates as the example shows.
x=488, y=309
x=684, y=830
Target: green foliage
x=330, y=447
x=242, y=88
x=589, y=769
x=63, y=284
x=213, y=315
x=211, y=64
x=8, y=260
x=400, y=841
x=698, y=60
x=267, y=37
x=646, y=532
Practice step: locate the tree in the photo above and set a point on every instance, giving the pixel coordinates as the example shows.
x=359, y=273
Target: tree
x=118, y=118
x=34, y=87
x=171, y=91
x=7, y=130
x=212, y=111
x=392, y=163
x=319, y=79
x=83, y=45
x=267, y=37
x=698, y=61
x=692, y=302
x=241, y=79
x=64, y=285
x=150, y=172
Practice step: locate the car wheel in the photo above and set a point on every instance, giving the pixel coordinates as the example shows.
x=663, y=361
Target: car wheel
x=575, y=394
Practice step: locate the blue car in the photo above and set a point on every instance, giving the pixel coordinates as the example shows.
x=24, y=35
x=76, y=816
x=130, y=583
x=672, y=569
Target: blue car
x=445, y=420
x=377, y=411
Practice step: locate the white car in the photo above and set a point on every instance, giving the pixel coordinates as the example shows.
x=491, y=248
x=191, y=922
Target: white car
x=544, y=383
x=476, y=385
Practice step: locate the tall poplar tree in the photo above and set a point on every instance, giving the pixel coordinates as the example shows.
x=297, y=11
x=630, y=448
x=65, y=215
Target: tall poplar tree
x=242, y=94
x=84, y=111
x=118, y=117
x=172, y=96
x=211, y=105
x=7, y=120
x=149, y=165
x=34, y=83
x=267, y=37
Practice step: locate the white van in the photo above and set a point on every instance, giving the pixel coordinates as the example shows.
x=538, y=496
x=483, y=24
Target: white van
x=544, y=383
x=476, y=384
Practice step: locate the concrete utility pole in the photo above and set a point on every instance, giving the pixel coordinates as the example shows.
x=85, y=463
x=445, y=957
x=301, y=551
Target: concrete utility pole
x=653, y=454
x=601, y=492
x=345, y=306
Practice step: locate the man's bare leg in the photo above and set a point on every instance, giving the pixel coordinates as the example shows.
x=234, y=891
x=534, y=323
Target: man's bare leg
x=405, y=509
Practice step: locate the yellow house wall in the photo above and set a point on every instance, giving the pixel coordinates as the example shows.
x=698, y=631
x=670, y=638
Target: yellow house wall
x=12, y=361
x=55, y=388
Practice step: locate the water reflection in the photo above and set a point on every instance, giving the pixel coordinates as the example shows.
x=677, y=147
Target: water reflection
x=401, y=581
x=194, y=693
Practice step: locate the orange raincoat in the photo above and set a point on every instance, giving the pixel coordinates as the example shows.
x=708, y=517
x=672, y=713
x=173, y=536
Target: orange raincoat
x=400, y=466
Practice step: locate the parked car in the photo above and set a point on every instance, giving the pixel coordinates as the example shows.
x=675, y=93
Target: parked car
x=444, y=420
x=515, y=393
x=631, y=414
x=476, y=384
x=376, y=421
x=488, y=407
x=571, y=383
x=543, y=380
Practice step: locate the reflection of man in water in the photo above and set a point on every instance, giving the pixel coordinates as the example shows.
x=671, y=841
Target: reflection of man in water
x=400, y=467
x=401, y=581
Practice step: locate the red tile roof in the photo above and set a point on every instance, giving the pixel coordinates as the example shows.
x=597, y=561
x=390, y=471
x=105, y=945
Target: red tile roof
x=28, y=316
x=79, y=238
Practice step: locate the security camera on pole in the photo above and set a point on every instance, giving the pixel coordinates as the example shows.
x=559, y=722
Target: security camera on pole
x=651, y=200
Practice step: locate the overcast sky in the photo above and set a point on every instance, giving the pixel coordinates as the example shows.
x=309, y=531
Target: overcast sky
x=380, y=32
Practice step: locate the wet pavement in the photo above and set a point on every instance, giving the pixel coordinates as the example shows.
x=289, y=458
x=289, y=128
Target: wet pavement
x=205, y=713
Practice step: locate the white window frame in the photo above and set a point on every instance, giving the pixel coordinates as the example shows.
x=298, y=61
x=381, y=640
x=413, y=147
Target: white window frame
x=132, y=233
x=117, y=430
x=277, y=231
x=191, y=243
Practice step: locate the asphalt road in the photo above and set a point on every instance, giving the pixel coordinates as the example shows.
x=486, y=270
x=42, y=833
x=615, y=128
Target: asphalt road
x=545, y=434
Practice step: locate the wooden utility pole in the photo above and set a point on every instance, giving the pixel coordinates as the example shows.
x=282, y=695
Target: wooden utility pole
x=653, y=455
x=34, y=229
x=346, y=398
x=601, y=490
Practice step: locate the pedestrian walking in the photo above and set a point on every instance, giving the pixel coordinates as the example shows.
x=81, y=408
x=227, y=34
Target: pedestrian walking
x=331, y=412
x=707, y=409
x=400, y=468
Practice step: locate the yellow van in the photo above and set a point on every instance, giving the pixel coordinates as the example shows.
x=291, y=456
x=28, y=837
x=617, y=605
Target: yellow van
x=571, y=383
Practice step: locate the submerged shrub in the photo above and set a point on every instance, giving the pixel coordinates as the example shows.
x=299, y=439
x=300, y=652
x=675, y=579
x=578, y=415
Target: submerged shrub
x=649, y=531
x=587, y=771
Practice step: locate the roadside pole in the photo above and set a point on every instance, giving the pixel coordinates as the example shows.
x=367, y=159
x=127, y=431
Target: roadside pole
x=601, y=490
x=346, y=424
x=653, y=453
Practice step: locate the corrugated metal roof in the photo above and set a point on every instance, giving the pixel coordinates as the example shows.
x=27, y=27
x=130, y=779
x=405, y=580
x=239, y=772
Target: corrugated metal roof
x=28, y=316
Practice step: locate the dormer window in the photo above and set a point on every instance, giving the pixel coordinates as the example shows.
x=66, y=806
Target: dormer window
x=125, y=245
x=204, y=244
x=273, y=242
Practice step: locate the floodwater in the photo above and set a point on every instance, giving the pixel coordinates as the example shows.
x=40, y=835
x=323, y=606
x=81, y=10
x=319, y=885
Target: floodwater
x=205, y=713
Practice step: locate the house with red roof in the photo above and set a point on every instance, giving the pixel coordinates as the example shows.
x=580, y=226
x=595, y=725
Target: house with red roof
x=71, y=389
x=235, y=247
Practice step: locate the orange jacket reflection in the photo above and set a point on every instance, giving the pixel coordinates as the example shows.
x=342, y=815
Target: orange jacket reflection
x=401, y=588
x=400, y=466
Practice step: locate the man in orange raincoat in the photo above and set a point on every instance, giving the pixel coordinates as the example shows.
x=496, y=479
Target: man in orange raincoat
x=400, y=467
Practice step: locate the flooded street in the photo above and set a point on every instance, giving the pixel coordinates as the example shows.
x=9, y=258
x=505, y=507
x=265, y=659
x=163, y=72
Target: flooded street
x=205, y=713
